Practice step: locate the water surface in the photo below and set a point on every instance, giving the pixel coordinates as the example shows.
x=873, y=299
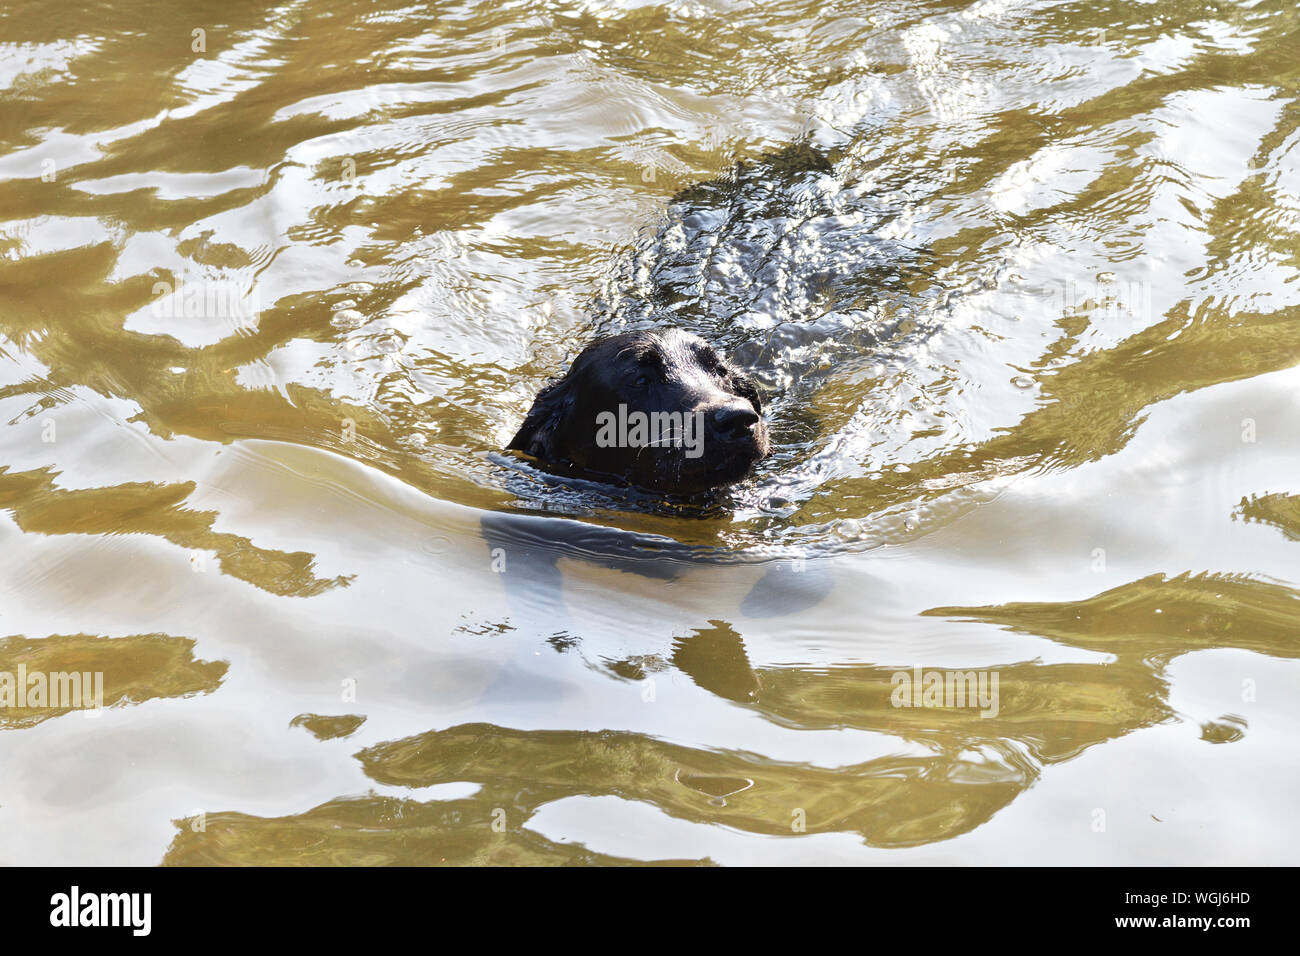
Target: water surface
x=1021, y=282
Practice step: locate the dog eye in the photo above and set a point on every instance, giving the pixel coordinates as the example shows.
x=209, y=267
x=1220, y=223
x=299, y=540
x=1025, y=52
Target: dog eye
x=641, y=381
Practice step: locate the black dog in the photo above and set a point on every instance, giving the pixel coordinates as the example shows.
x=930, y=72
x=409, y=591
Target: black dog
x=659, y=410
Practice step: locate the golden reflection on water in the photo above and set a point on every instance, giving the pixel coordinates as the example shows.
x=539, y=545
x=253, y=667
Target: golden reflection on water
x=976, y=766
x=143, y=667
x=1050, y=436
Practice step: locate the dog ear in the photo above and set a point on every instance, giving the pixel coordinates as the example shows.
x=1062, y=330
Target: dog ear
x=742, y=385
x=536, y=436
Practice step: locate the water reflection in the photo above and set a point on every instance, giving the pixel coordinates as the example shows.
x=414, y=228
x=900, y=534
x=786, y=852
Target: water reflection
x=39, y=507
x=1279, y=510
x=131, y=670
x=953, y=768
x=1019, y=280
x=376, y=831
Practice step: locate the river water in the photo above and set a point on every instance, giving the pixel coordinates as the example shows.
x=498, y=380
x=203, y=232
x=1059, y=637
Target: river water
x=1020, y=281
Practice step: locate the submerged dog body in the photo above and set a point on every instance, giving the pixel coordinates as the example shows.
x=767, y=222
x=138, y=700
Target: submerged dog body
x=657, y=409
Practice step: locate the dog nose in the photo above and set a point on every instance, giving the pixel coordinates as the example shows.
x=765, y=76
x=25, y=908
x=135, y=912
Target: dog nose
x=734, y=420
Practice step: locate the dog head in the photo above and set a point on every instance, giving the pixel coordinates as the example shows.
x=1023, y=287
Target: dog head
x=660, y=410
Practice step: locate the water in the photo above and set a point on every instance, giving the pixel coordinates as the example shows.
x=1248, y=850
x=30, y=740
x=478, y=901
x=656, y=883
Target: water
x=1021, y=283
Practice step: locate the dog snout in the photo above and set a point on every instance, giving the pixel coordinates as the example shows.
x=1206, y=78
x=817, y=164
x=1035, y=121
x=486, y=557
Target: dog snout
x=734, y=420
